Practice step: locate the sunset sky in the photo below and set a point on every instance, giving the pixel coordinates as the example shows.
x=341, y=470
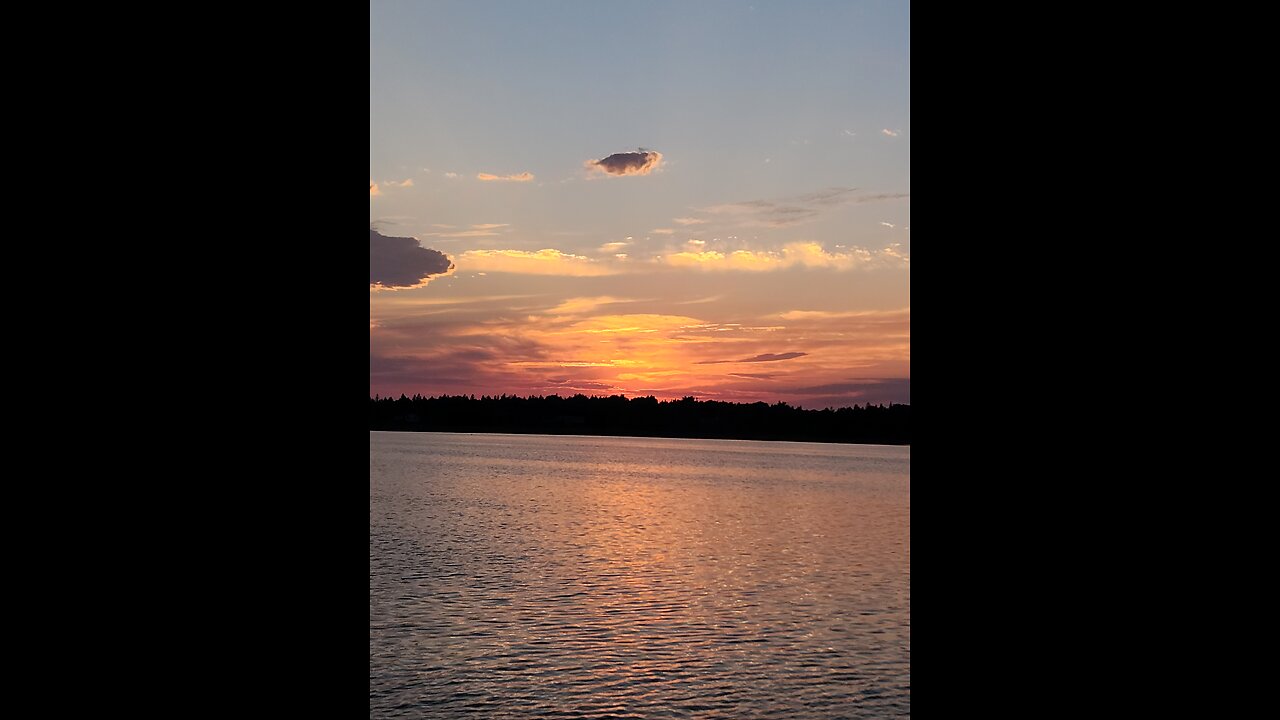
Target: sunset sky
x=643, y=198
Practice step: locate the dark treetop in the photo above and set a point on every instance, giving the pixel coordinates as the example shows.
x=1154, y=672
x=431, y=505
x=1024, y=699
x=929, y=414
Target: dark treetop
x=642, y=416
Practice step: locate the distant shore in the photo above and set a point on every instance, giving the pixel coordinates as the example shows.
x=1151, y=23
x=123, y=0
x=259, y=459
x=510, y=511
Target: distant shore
x=642, y=417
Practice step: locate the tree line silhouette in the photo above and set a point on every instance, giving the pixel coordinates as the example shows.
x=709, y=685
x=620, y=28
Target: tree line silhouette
x=643, y=417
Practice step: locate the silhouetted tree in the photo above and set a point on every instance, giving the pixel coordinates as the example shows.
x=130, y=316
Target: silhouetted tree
x=643, y=416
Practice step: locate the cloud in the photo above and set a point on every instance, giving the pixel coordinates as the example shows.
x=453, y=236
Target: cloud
x=769, y=357
x=886, y=224
x=482, y=230
x=628, y=163
x=688, y=221
x=448, y=363
x=547, y=261
x=521, y=177
x=581, y=305
x=451, y=175
x=889, y=132
x=834, y=388
x=465, y=234
x=581, y=385
x=400, y=262
x=558, y=336
x=791, y=210
x=662, y=231
x=612, y=246
x=870, y=315
x=869, y=390
x=807, y=254
x=766, y=357
x=374, y=189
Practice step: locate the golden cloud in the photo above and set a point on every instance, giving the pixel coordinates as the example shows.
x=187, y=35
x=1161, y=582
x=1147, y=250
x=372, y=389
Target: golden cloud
x=547, y=261
x=806, y=254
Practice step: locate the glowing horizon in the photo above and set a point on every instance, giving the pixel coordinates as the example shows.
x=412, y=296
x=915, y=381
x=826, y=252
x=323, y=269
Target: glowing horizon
x=739, y=230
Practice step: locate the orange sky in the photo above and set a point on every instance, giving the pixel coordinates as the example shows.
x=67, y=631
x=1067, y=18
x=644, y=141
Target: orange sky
x=720, y=210
x=799, y=333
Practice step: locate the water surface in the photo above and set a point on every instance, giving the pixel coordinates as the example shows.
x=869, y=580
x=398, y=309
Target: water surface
x=517, y=576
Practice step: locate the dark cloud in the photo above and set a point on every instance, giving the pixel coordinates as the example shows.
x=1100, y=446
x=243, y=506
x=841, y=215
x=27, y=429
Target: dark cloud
x=580, y=384
x=448, y=365
x=754, y=376
x=852, y=386
x=396, y=262
x=766, y=357
x=770, y=357
x=628, y=163
x=868, y=390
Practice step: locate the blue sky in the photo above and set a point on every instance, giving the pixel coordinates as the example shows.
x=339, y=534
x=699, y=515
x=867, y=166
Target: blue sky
x=782, y=140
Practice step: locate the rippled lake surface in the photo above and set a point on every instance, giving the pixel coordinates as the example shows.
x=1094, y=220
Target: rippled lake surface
x=522, y=576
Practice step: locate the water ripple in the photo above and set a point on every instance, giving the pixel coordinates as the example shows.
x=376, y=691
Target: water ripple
x=534, y=576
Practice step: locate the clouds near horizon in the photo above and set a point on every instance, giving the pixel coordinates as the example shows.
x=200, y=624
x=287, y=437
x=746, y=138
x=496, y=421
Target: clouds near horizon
x=766, y=357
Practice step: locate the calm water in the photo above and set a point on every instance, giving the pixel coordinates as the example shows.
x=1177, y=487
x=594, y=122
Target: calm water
x=519, y=576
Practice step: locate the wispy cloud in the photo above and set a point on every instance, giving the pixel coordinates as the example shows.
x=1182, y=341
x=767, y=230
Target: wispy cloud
x=806, y=254
x=482, y=230
x=662, y=231
x=871, y=390
x=890, y=315
x=766, y=357
x=688, y=221
x=583, y=305
x=613, y=246
x=886, y=224
x=426, y=343
x=890, y=133
x=792, y=210
x=519, y=177
x=451, y=175
x=373, y=189
x=407, y=182
x=642, y=162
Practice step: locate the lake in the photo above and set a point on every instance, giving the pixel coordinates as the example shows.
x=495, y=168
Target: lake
x=518, y=576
